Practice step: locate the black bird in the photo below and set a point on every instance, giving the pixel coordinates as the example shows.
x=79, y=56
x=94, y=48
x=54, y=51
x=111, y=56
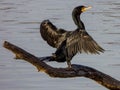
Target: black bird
x=69, y=43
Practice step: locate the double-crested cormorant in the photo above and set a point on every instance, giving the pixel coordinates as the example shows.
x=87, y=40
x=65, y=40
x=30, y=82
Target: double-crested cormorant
x=69, y=43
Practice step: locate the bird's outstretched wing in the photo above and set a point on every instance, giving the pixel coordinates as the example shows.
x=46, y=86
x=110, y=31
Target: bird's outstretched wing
x=81, y=41
x=52, y=35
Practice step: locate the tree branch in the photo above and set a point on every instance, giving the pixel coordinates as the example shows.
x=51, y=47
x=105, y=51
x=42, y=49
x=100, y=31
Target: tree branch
x=76, y=71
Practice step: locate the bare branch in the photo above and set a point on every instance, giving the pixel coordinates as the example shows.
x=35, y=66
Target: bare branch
x=76, y=71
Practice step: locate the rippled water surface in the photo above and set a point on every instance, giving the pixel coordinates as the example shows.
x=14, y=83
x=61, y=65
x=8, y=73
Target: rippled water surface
x=19, y=24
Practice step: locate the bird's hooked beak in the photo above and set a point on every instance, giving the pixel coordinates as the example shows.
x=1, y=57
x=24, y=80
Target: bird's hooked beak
x=86, y=8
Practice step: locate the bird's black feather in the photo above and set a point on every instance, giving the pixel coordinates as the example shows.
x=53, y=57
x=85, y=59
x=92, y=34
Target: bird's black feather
x=52, y=35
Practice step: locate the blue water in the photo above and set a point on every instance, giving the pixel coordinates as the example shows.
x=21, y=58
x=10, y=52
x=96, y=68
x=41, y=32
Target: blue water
x=19, y=24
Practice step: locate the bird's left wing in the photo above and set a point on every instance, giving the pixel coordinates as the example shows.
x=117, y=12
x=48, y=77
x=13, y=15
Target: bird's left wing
x=81, y=41
x=52, y=35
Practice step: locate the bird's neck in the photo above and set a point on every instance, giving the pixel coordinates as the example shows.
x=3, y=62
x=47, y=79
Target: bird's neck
x=78, y=21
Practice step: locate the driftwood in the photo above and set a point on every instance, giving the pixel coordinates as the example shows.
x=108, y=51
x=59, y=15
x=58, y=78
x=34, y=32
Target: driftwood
x=76, y=71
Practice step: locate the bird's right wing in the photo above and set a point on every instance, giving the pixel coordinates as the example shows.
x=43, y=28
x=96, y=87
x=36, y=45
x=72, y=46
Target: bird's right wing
x=51, y=34
x=81, y=41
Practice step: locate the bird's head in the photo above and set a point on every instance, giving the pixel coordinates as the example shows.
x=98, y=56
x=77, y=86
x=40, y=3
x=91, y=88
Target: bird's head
x=80, y=9
x=76, y=15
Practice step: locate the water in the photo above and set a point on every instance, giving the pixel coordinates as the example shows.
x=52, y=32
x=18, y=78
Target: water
x=19, y=24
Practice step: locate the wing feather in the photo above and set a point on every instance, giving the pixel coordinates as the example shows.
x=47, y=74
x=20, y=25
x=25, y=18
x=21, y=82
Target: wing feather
x=51, y=34
x=81, y=41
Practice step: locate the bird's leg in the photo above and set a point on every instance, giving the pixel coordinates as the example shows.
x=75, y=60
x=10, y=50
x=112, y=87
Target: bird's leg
x=68, y=62
x=70, y=66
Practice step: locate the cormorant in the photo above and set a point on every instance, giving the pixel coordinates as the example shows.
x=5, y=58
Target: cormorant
x=69, y=43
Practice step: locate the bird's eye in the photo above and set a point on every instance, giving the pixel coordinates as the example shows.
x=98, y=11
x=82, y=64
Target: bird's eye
x=83, y=9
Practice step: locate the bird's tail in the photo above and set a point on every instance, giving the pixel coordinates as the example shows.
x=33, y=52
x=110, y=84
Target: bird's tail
x=47, y=58
x=53, y=58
